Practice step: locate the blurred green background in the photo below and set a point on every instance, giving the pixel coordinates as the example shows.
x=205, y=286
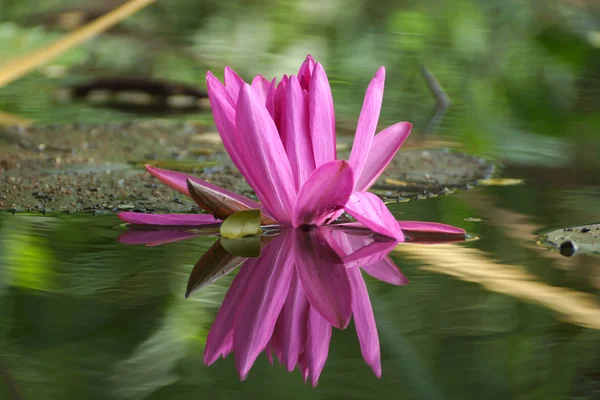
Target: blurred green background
x=517, y=72
x=83, y=317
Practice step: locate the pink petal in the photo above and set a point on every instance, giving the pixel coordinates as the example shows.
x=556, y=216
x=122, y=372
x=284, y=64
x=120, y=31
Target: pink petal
x=269, y=171
x=269, y=354
x=369, y=254
x=303, y=366
x=233, y=83
x=279, y=108
x=359, y=245
x=298, y=145
x=321, y=117
x=264, y=90
x=220, y=337
x=366, y=329
x=224, y=112
x=178, y=181
x=323, y=277
x=305, y=72
x=168, y=219
x=154, y=238
x=290, y=330
x=385, y=145
x=327, y=190
x=386, y=271
x=266, y=293
x=270, y=100
x=224, y=109
x=431, y=232
x=228, y=347
x=316, y=350
x=367, y=122
x=434, y=227
x=275, y=348
x=369, y=210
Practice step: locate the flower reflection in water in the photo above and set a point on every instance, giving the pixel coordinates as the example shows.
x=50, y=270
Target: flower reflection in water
x=286, y=301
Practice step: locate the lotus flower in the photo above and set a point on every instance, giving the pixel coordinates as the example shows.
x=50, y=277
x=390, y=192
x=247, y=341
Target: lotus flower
x=286, y=301
x=282, y=139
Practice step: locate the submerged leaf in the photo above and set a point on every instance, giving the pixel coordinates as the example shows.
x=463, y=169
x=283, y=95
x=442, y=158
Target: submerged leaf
x=242, y=223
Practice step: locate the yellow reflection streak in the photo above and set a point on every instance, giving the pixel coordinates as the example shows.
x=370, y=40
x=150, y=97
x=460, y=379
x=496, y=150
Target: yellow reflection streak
x=475, y=266
x=15, y=69
x=519, y=227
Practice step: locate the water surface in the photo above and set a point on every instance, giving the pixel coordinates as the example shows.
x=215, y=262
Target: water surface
x=84, y=316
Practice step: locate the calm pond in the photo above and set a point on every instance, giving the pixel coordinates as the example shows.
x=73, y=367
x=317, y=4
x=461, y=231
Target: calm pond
x=84, y=316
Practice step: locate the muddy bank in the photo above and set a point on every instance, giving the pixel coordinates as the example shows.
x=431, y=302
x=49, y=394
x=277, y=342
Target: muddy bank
x=99, y=168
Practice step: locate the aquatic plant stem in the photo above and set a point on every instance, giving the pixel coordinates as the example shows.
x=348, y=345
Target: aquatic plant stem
x=441, y=98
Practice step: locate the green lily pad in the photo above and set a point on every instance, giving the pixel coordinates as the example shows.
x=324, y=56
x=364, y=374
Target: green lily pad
x=241, y=224
x=428, y=172
x=98, y=168
x=584, y=239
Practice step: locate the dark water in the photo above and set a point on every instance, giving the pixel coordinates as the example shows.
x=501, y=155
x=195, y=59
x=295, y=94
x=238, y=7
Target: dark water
x=500, y=317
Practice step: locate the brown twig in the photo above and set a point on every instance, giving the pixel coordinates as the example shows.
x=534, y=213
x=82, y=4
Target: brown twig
x=17, y=68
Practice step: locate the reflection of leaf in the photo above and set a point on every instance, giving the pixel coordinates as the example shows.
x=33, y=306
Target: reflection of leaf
x=240, y=224
x=243, y=247
x=214, y=264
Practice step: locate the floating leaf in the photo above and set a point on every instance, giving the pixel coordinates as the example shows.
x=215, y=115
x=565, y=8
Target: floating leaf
x=242, y=223
x=243, y=247
x=414, y=172
x=576, y=239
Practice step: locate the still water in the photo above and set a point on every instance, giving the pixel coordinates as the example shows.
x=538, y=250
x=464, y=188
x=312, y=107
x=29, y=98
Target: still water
x=84, y=316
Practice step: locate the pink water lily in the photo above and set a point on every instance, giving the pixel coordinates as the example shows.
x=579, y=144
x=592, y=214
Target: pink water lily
x=282, y=139
x=286, y=301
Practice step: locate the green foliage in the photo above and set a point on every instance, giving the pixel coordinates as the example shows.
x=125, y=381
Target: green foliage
x=240, y=224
